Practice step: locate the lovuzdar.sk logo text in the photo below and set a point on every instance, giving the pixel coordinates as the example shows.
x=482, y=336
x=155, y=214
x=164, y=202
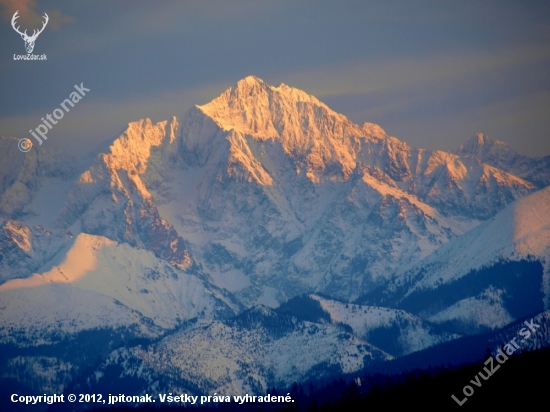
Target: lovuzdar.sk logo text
x=29, y=40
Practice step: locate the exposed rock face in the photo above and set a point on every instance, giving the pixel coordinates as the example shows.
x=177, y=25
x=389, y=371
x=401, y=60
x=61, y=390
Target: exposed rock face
x=257, y=197
x=498, y=154
x=273, y=194
x=24, y=249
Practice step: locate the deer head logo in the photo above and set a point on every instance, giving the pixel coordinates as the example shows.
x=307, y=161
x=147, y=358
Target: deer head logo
x=29, y=40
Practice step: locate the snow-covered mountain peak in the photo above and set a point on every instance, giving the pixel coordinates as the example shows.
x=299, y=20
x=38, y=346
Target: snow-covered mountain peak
x=332, y=194
x=374, y=130
x=258, y=120
x=131, y=151
x=482, y=145
x=502, y=156
x=104, y=275
x=519, y=231
x=290, y=115
x=112, y=197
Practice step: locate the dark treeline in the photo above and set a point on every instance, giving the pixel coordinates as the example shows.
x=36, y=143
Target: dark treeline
x=520, y=381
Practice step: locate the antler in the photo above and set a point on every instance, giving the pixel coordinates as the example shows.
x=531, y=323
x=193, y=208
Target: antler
x=15, y=17
x=35, y=33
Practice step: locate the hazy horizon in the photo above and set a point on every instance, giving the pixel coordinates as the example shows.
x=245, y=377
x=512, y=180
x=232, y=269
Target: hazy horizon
x=431, y=74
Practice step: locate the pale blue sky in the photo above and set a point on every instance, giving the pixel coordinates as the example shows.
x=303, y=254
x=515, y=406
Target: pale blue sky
x=432, y=73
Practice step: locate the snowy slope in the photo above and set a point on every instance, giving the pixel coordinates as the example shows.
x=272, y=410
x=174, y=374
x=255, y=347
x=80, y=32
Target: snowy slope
x=110, y=198
x=395, y=331
x=326, y=146
x=540, y=338
x=260, y=349
x=485, y=310
x=26, y=176
x=520, y=230
x=94, y=296
x=24, y=249
x=457, y=186
x=486, y=273
x=100, y=283
x=274, y=194
x=262, y=194
x=500, y=155
x=274, y=181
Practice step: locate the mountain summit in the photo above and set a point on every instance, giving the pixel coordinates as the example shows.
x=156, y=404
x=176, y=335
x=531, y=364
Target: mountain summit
x=481, y=145
x=264, y=196
x=306, y=129
x=267, y=192
x=498, y=154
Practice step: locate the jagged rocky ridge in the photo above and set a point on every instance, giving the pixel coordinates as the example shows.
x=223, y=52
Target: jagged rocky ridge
x=25, y=249
x=257, y=197
x=275, y=195
x=501, y=156
x=492, y=275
